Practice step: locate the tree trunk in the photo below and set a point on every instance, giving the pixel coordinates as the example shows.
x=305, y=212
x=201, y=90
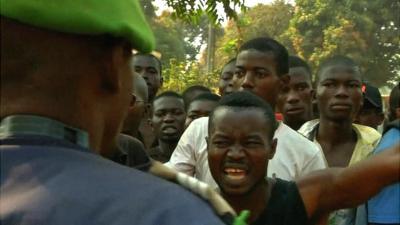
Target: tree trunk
x=210, y=48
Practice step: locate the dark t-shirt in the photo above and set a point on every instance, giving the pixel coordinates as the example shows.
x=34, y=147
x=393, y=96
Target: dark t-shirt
x=147, y=133
x=157, y=154
x=285, y=206
x=132, y=153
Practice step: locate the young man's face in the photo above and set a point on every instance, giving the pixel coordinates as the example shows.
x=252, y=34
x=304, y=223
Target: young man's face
x=295, y=101
x=239, y=147
x=225, y=84
x=168, y=118
x=339, y=93
x=199, y=108
x=257, y=72
x=149, y=69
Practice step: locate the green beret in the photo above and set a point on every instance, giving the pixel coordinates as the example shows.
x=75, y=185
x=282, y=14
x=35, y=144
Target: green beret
x=119, y=18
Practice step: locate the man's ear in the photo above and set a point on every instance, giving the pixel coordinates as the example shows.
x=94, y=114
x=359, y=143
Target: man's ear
x=314, y=96
x=284, y=82
x=150, y=123
x=361, y=102
x=285, y=79
x=207, y=142
x=161, y=81
x=397, y=113
x=147, y=110
x=133, y=101
x=273, y=148
x=112, y=70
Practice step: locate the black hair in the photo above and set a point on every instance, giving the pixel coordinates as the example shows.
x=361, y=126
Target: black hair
x=152, y=56
x=338, y=60
x=295, y=61
x=230, y=61
x=188, y=92
x=265, y=44
x=394, y=99
x=195, y=88
x=168, y=94
x=207, y=97
x=243, y=100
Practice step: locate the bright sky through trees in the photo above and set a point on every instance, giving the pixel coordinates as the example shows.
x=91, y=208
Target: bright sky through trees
x=161, y=5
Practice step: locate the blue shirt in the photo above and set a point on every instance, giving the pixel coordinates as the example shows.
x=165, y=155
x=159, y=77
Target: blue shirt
x=47, y=180
x=385, y=207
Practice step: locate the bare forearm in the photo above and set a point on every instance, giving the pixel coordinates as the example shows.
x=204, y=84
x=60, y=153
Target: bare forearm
x=363, y=180
x=160, y=170
x=337, y=188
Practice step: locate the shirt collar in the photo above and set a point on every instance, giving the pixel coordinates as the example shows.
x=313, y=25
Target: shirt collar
x=365, y=134
x=37, y=125
x=309, y=129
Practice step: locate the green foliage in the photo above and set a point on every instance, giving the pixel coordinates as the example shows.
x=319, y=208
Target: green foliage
x=262, y=20
x=367, y=31
x=180, y=75
x=179, y=42
x=174, y=37
x=148, y=9
x=191, y=11
x=169, y=38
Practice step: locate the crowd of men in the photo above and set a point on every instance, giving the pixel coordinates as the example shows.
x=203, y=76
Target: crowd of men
x=87, y=137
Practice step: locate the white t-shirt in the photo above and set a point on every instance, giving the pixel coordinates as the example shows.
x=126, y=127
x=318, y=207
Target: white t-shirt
x=295, y=155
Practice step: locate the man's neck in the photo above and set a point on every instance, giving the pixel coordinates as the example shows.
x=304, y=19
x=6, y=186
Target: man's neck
x=334, y=132
x=250, y=201
x=294, y=125
x=86, y=119
x=167, y=147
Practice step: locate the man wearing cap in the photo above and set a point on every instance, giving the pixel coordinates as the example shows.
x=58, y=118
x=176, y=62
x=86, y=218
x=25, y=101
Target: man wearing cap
x=371, y=113
x=65, y=89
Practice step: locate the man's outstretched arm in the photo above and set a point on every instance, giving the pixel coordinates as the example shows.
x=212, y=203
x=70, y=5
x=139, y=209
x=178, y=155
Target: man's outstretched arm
x=336, y=188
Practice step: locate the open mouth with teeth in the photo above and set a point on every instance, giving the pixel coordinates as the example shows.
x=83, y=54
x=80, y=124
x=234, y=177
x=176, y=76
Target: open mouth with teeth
x=235, y=175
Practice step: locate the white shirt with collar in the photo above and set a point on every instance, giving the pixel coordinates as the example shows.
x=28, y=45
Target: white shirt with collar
x=295, y=155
